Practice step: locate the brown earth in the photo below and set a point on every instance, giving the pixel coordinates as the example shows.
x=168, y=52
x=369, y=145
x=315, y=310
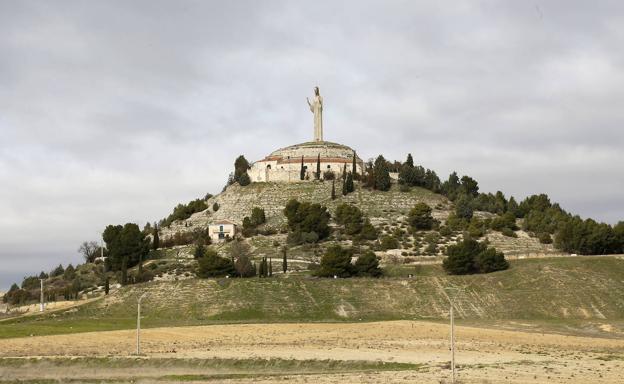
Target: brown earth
x=483, y=355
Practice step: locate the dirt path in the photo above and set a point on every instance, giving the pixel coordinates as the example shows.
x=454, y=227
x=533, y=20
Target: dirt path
x=483, y=355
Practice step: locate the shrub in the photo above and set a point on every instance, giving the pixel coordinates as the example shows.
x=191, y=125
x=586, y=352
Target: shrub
x=215, y=206
x=211, y=265
x=336, y=262
x=257, y=216
x=244, y=180
x=368, y=232
x=445, y=231
x=200, y=251
x=367, y=265
x=389, y=242
x=508, y=232
x=470, y=257
x=545, y=238
x=329, y=175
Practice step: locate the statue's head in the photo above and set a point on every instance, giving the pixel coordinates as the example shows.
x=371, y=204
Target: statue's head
x=316, y=91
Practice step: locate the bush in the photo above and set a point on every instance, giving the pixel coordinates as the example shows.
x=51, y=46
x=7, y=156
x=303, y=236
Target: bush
x=329, y=175
x=336, y=262
x=470, y=257
x=215, y=206
x=389, y=242
x=419, y=217
x=200, y=251
x=508, y=232
x=545, y=238
x=368, y=232
x=244, y=180
x=211, y=265
x=367, y=265
x=445, y=231
x=257, y=216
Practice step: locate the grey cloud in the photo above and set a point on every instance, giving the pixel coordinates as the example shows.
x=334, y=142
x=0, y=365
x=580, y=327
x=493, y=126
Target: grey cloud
x=116, y=111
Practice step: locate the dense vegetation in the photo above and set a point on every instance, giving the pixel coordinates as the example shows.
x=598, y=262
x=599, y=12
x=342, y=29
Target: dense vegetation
x=126, y=247
x=470, y=256
x=541, y=218
x=184, y=211
x=308, y=222
x=336, y=262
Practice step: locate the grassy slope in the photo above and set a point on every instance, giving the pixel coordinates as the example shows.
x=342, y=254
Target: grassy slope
x=582, y=288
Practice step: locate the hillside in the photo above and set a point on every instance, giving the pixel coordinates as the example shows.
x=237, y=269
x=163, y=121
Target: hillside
x=386, y=210
x=236, y=202
x=555, y=290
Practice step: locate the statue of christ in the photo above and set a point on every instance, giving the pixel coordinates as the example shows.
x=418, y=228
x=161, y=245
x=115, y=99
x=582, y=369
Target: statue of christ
x=316, y=106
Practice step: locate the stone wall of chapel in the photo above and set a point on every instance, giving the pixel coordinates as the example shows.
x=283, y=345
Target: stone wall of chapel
x=262, y=171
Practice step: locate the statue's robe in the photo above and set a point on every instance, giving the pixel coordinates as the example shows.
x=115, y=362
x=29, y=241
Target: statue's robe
x=316, y=106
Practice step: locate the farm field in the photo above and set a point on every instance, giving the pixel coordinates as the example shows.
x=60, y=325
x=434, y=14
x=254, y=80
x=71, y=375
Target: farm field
x=377, y=352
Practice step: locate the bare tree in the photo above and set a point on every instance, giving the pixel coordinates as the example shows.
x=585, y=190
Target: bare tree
x=240, y=253
x=89, y=250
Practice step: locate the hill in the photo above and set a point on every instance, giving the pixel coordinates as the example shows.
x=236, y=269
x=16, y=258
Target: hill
x=560, y=291
x=387, y=210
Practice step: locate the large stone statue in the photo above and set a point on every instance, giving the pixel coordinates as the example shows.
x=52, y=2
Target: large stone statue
x=316, y=106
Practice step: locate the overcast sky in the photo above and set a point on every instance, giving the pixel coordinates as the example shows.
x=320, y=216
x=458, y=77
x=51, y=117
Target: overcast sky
x=115, y=111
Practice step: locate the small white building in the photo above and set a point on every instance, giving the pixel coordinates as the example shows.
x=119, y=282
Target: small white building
x=221, y=230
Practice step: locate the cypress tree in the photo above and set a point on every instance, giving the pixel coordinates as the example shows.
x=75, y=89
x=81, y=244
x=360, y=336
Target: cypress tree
x=349, y=183
x=284, y=259
x=261, y=268
x=333, y=192
x=270, y=268
x=106, y=286
x=156, y=241
x=344, y=173
x=344, y=187
x=354, y=169
x=124, y=270
x=302, y=172
x=318, y=167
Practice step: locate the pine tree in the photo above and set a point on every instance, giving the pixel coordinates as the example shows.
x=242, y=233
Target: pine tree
x=410, y=161
x=318, y=167
x=380, y=174
x=302, y=172
x=333, y=192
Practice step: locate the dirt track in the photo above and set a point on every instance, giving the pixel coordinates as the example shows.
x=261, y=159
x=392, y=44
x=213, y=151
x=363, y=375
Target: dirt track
x=483, y=355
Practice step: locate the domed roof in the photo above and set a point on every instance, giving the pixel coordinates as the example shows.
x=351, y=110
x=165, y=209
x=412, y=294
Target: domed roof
x=312, y=149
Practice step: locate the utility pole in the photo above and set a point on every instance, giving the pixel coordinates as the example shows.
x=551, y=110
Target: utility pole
x=138, y=331
x=452, y=346
x=41, y=304
x=451, y=292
